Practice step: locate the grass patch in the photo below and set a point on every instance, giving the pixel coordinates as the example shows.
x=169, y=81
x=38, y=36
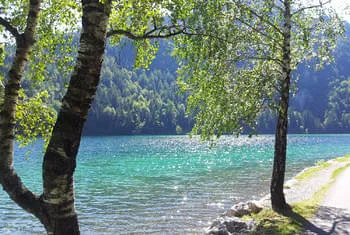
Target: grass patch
x=272, y=223
x=343, y=159
x=338, y=171
x=309, y=173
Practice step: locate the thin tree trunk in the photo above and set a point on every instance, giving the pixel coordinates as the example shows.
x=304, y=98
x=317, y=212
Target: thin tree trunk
x=278, y=200
x=10, y=181
x=60, y=157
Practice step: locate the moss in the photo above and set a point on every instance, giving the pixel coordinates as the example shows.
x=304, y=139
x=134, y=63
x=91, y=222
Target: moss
x=310, y=172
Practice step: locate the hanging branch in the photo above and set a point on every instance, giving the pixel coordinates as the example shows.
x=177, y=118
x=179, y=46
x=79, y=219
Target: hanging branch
x=9, y=27
x=311, y=7
x=156, y=32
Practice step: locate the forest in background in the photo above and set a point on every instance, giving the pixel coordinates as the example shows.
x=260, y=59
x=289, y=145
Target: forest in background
x=147, y=101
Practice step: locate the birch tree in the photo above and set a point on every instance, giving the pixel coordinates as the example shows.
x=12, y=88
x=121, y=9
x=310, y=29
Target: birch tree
x=140, y=22
x=243, y=61
x=55, y=207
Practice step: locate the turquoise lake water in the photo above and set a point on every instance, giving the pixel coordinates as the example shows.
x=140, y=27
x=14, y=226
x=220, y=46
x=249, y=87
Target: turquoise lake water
x=164, y=184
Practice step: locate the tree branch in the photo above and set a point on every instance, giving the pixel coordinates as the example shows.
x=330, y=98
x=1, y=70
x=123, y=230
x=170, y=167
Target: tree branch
x=266, y=58
x=263, y=58
x=311, y=7
x=207, y=35
x=173, y=30
x=261, y=18
x=259, y=32
x=9, y=27
x=32, y=21
x=8, y=178
x=30, y=202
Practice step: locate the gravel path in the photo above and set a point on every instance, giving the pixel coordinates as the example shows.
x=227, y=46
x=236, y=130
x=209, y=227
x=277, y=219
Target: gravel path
x=301, y=190
x=333, y=216
x=339, y=195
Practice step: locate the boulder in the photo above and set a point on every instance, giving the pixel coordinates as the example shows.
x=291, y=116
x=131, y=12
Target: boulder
x=231, y=225
x=244, y=208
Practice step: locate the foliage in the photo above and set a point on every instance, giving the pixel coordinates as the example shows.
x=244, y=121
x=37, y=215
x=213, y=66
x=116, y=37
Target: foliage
x=121, y=86
x=52, y=47
x=134, y=102
x=224, y=95
x=130, y=101
x=30, y=124
x=232, y=66
x=143, y=22
x=337, y=113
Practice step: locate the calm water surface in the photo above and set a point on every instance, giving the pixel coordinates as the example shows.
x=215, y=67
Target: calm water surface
x=164, y=184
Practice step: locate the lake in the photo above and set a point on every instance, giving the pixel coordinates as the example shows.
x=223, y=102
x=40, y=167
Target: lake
x=164, y=184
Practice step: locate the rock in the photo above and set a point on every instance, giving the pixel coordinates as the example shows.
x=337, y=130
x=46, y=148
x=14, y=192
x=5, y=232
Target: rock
x=244, y=208
x=231, y=225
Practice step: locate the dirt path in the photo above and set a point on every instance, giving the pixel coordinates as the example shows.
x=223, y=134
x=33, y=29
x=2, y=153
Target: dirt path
x=339, y=194
x=333, y=216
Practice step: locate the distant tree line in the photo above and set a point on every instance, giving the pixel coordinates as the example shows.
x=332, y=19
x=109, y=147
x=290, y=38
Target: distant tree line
x=149, y=102
x=143, y=102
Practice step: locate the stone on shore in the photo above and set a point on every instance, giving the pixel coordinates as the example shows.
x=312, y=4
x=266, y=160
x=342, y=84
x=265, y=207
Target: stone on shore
x=244, y=208
x=231, y=223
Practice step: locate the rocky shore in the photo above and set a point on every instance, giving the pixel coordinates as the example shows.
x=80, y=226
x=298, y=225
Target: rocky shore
x=231, y=221
x=298, y=189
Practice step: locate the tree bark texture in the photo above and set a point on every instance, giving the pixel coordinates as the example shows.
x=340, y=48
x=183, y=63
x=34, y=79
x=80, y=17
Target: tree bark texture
x=55, y=207
x=60, y=157
x=9, y=180
x=278, y=200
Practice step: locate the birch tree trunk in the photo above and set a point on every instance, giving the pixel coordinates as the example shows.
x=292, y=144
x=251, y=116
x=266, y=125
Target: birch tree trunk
x=9, y=180
x=278, y=200
x=60, y=157
x=55, y=207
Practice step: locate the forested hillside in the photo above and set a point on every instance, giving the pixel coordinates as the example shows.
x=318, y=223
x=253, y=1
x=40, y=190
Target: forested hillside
x=147, y=101
x=322, y=103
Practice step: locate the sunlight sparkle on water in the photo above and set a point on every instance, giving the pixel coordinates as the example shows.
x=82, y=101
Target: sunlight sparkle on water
x=166, y=184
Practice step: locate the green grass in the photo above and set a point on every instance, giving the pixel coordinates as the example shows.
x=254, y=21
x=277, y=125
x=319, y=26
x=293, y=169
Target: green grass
x=338, y=171
x=343, y=159
x=272, y=223
x=311, y=172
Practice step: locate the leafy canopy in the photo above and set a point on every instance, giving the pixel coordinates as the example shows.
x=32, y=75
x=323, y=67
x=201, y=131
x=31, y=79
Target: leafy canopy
x=232, y=64
x=34, y=118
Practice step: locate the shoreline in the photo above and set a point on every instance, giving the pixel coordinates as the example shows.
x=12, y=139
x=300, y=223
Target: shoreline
x=309, y=186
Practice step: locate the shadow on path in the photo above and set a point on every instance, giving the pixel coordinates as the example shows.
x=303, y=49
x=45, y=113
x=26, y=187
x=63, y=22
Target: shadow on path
x=314, y=229
x=328, y=220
